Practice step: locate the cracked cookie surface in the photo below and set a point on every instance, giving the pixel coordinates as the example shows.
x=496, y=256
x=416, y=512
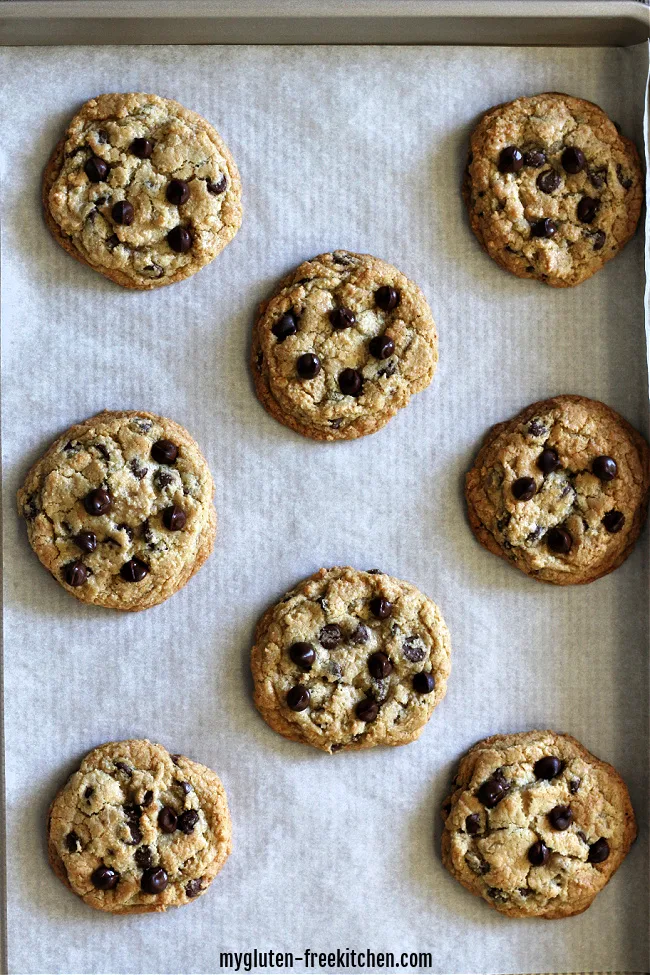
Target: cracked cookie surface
x=552, y=189
x=142, y=190
x=120, y=510
x=560, y=490
x=342, y=345
x=137, y=830
x=535, y=824
x=349, y=660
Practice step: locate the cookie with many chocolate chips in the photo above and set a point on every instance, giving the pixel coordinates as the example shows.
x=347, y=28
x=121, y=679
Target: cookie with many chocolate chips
x=552, y=188
x=142, y=190
x=535, y=824
x=561, y=490
x=137, y=830
x=349, y=660
x=120, y=509
x=342, y=345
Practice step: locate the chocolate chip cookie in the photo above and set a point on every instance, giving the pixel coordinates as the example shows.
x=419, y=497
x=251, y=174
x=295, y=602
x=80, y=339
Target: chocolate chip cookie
x=137, y=830
x=349, y=660
x=342, y=345
x=561, y=490
x=142, y=190
x=552, y=188
x=535, y=824
x=120, y=510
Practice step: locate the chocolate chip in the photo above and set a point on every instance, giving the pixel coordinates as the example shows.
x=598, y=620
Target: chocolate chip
x=308, y=365
x=342, y=318
x=102, y=450
x=303, y=655
x=543, y=228
x=473, y=824
x=380, y=607
x=142, y=857
x=387, y=298
x=285, y=327
x=96, y=169
x=574, y=785
x=573, y=160
x=88, y=792
x=187, y=821
x=136, y=470
x=493, y=790
x=163, y=479
x=548, y=461
x=98, y=502
x=178, y=192
x=167, y=819
x=614, y=521
x=123, y=212
x=414, y=649
x=134, y=570
x=510, y=160
x=604, y=468
x=424, y=683
x=128, y=531
x=148, y=798
x=154, y=880
x=176, y=758
x=548, y=181
x=219, y=185
x=350, y=382
x=142, y=148
x=524, y=488
x=164, y=452
x=548, y=767
x=625, y=181
x=298, y=698
x=534, y=158
x=598, y=238
x=598, y=178
x=330, y=636
x=381, y=347
x=72, y=842
x=560, y=817
x=193, y=888
x=174, y=518
x=379, y=665
x=539, y=853
x=587, y=209
x=361, y=634
x=179, y=239
x=598, y=851
x=559, y=540
x=105, y=878
x=367, y=710
x=76, y=573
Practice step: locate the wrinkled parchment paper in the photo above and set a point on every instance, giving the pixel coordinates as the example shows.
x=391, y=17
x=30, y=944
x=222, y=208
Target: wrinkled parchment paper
x=361, y=149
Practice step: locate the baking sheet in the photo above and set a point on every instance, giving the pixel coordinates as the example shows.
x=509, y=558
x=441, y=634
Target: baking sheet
x=360, y=148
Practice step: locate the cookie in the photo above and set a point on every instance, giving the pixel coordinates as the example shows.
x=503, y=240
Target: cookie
x=120, y=510
x=342, y=345
x=552, y=189
x=142, y=190
x=137, y=830
x=560, y=490
x=535, y=824
x=349, y=660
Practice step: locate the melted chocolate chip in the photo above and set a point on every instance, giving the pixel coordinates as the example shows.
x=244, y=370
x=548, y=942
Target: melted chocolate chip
x=148, y=798
x=351, y=382
x=136, y=470
x=308, y=365
x=134, y=570
x=524, y=488
x=573, y=160
x=217, y=186
x=538, y=854
x=548, y=461
x=285, y=326
x=473, y=824
x=76, y=573
x=587, y=209
x=598, y=238
x=381, y=347
x=379, y=665
x=361, y=634
x=187, y=821
x=614, y=521
x=164, y=452
x=493, y=790
x=330, y=636
x=128, y=531
x=185, y=787
x=625, y=181
x=548, y=767
x=574, y=785
x=604, y=468
x=367, y=710
x=298, y=698
x=510, y=160
x=559, y=540
x=143, y=857
x=163, y=479
x=174, y=518
x=154, y=880
x=544, y=228
x=598, y=851
x=179, y=239
x=178, y=192
x=303, y=655
x=560, y=817
x=142, y=148
x=193, y=888
x=534, y=158
x=342, y=318
x=414, y=649
x=424, y=683
x=96, y=169
x=123, y=213
x=548, y=181
x=72, y=842
x=387, y=298
x=167, y=820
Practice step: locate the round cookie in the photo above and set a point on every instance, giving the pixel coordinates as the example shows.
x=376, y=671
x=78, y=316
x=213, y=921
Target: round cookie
x=342, y=345
x=535, y=824
x=560, y=490
x=120, y=510
x=142, y=190
x=552, y=189
x=349, y=660
x=137, y=830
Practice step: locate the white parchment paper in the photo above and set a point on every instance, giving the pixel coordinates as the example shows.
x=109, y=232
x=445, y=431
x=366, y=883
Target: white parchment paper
x=361, y=149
